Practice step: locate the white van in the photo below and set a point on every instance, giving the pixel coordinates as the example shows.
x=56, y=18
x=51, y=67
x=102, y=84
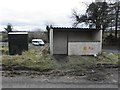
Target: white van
x=38, y=42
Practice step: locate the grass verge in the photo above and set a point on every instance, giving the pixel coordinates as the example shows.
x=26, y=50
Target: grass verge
x=29, y=60
x=33, y=60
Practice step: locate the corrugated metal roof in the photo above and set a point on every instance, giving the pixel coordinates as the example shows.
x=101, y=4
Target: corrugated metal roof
x=73, y=28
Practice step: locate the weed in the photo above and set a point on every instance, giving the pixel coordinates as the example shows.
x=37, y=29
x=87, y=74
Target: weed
x=30, y=59
x=34, y=60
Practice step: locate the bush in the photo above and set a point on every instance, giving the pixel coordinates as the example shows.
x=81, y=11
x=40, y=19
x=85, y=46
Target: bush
x=4, y=50
x=108, y=58
x=110, y=40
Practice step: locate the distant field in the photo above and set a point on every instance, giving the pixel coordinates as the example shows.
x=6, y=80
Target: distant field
x=36, y=34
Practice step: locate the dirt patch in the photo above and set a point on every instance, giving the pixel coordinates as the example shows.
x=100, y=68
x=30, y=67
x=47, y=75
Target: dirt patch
x=46, y=73
x=90, y=76
x=61, y=58
x=99, y=76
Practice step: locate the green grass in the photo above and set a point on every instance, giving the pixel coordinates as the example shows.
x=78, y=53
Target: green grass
x=108, y=58
x=30, y=59
x=34, y=60
x=78, y=63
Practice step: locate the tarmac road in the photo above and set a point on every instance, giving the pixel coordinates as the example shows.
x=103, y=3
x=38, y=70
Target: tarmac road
x=27, y=82
x=42, y=81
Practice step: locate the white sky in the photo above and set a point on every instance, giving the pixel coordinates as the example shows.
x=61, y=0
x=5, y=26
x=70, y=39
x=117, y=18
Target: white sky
x=31, y=14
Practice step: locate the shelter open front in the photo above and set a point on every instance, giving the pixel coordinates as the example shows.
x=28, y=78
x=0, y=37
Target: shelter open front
x=75, y=41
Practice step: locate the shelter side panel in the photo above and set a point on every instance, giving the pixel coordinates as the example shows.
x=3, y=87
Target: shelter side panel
x=84, y=48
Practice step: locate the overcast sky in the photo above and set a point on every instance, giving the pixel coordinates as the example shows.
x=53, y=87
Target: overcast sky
x=32, y=14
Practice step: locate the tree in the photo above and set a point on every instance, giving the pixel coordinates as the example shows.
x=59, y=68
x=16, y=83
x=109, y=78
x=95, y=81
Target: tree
x=79, y=18
x=48, y=27
x=9, y=28
x=117, y=16
x=115, y=13
x=96, y=15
